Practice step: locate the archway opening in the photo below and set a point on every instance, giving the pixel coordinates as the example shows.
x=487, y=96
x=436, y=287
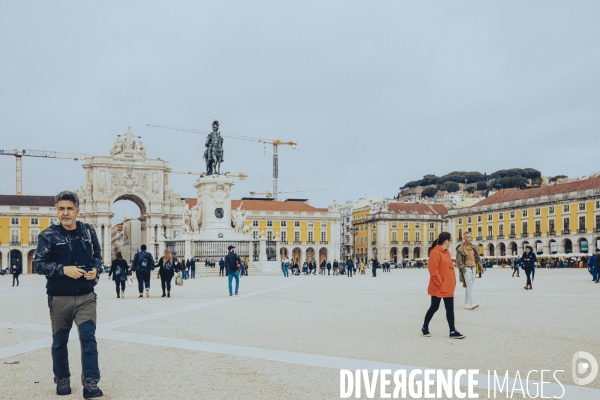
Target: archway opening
x=284, y=253
x=568, y=245
x=1, y=262
x=525, y=244
x=491, y=250
x=374, y=252
x=297, y=255
x=539, y=247
x=513, y=248
x=553, y=246
x=128, y=230
x=16, y=259
x=417, y=253
x=394, y=254
x=502, y=249
x=30, y=257
x=583, y=245
x=322, y=255
x=310, y=254
x=405, y=253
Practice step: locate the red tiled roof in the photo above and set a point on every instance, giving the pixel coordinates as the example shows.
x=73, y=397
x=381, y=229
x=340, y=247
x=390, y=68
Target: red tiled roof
x=412, y=208
x=517, y=194
x=32, y=201
x=259, y=205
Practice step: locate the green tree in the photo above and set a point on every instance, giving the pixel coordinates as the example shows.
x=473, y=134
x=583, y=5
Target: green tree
x=429, y=192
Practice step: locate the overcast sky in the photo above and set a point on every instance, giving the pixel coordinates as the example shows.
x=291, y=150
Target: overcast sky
x=376, y=93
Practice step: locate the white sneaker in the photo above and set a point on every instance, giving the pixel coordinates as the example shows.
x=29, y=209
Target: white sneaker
x=467, y=307
x=474, y=306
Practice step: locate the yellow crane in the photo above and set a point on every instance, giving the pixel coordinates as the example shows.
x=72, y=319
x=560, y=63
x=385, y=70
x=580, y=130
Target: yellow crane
x=37, y=153
x=275, y=142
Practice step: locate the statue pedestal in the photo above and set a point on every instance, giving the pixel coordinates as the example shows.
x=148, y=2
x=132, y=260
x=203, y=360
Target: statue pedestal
x=214, y=203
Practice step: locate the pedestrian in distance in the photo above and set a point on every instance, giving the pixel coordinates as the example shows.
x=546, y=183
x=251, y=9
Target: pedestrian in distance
x=285, y=265
x=143, y=264
x=166, y=272
x=243, y=266
x=322, y=268
x=515, y=266
x=193, y=267
x=467, y=262
x=221, y=267
x=119, y=271
x=362, y=268
x=328, y=268
x=69, y=255
x=442, y=282
x=597, y=265
x=350, y=267
x=232, y=263
x=336, y=267
x=16, y=270
x=374, y=266
x=527, y=261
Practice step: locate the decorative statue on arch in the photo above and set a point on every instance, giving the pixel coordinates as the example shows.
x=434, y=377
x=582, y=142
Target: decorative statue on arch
x=213, y=155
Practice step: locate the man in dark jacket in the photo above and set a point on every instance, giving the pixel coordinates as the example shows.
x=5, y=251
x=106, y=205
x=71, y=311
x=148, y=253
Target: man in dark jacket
x=597, y=265
x=375, y=266
x=16, y=270
x=69, y=255
x=222, y=267
x=143, y=264
x=350, y=265
x=232, y=265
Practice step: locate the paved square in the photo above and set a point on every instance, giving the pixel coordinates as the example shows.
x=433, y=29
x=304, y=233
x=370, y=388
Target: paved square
x=288, y=337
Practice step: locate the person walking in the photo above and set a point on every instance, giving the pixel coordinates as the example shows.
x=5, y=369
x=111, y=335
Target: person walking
x=350, y=267
x=232, y=262
x=467, y=262
x=142, y=264
x=597, y=265
x=119, y=271
x=374, y=264
x=221, y=267
x=515, y=268
x=285, y=266
x=16, y=270
x=328, y=268
x=336, y=267
x=442, y=282
x=527, y=260
x=193, y=267
x=70, y=257
x=166, y=272
x=322, y=268
x=362, y=268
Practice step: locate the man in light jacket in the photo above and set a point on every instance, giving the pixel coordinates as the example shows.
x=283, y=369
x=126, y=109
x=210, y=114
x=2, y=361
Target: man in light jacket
x=468, y=261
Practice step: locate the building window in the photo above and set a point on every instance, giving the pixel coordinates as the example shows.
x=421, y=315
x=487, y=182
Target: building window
x=394, y=236
x=468, y=220
x=34, y=236
x=255, y=235
x=417, y=236
x=551, y=225
x=478, y=231
x=582, y=223
x=431, y=237
x=374, y=237
x=34, y=221
x=297, y=224
x=406, y=225
x=347, y=219
x=417, y=226
x=551, y=210
x=284, y=224
x=524, y=228
x=512, y=214
x=597, y=205
x=538, y=227
x=14, y=221
x=14, y=236
x=512, y=229
x=296, y=237
x=270, y=224
x=53, y=221
x=501, y=229
x=460, y=221
x=597, y=221
x=311, y=237
x=490, y=217
x=460, y=234
x=501, y=216
x=431, y=225
x=566, y=208
x=581, y=206
x=323, y=237
x=269, y=235
x=284, y=236
x=489, y=231
x=374, y=225
x=394, y=225
x=406, y=236
x=566, y=224
x=479, y=218
x=538, y=211
x=311, y=224
x=255, y=223
x=524, y=213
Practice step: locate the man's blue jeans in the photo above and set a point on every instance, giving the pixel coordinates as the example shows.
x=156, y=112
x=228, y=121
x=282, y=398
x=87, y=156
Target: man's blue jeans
x=235, y=274
x=285, y=273
x=594, y=272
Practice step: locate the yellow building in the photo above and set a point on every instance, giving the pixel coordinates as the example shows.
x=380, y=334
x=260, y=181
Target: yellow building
x=558, y=218
x=22, y=218
x=396, y=231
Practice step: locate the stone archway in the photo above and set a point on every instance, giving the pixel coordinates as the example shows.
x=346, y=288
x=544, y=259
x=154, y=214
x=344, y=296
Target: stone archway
x=394, y=254
x=490, y=250
x=567, y=246
x=127, y=174
x=284, y=253
x=538, y=247
x=416, y=253
x=297, y=255
x=502, y=249
x=405, y=252
x=30, y=257
x=323, y=254
x=310, y=254
x=583, y=245
x=514, y=250
x=16, y=258
x=553, y=246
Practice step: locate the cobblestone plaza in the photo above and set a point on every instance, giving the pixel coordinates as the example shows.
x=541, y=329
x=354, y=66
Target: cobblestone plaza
x=288, y=338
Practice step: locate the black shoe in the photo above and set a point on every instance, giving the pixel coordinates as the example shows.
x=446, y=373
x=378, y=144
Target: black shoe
x=456, y=335
x=140, y=297
x=164, y=295
x=63, y=386
x=118, y=297
x=425, y=332
x=169, y=294
x=91, y=389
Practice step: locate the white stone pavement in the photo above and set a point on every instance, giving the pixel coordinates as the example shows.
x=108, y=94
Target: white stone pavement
x=288, y=337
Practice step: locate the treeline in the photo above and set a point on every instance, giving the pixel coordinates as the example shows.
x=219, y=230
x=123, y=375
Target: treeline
x=502, y=179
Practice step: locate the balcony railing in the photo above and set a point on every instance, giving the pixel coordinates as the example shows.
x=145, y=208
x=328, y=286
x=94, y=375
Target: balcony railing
x=394, y=242
x=597, y=229
x=512, y=236
x=479, y=237
x=34, y=243
x=582, y=231
x=500, y=236
x=489, y=238
x=297, y=242
x=566, y=232
x=15, y=243
x=552, y=233
x=311, y=242
x=525, y=234
x=374, y=242
x=406, y=242
x=417, y=242
x=537, y=234
x=324, y=242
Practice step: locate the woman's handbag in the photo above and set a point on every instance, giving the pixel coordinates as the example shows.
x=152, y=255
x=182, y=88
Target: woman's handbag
x=129, y=281
x=178, y=280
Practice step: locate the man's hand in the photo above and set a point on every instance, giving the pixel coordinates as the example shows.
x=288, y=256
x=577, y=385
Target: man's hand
x=73, y=272
x=91, y=275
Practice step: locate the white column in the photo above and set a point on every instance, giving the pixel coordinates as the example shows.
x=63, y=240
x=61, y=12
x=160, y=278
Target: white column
x=188, y=249
x=106, y=247
x=5, y=259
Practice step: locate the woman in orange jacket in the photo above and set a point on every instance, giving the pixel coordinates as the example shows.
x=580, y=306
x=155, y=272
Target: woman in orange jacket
x=442, y=281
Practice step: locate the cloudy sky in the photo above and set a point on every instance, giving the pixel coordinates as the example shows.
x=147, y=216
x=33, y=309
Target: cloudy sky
x=376, y=93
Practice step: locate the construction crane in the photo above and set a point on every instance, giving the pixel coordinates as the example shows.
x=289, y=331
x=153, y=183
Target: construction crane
x=276, y=143
x=268, y=194
x=37, y=153
x=240, y=176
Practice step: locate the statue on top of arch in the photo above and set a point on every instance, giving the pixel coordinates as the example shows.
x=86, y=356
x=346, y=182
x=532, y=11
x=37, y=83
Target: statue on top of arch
x=128, y=146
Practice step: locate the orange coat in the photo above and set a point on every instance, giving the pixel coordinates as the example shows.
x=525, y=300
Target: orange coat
x=442, y=278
